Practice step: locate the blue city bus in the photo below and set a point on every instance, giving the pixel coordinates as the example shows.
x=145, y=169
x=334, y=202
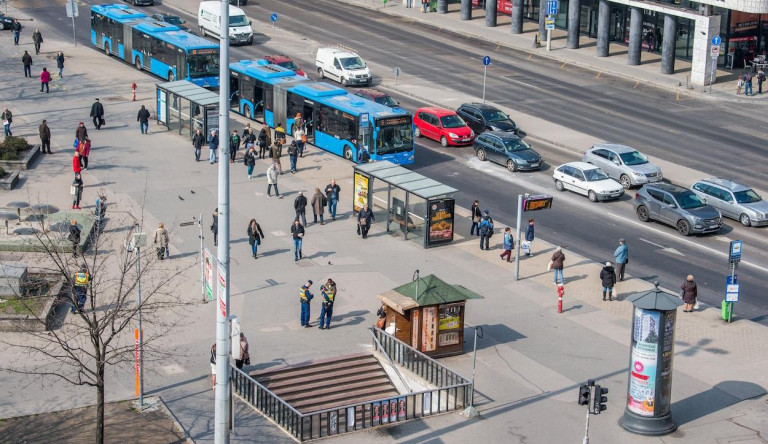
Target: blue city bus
x=337, y=121
x=160, y=48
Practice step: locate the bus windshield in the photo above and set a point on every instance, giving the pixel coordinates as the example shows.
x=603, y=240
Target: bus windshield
x=237, y=20
x=395, y=135
x=203, y=65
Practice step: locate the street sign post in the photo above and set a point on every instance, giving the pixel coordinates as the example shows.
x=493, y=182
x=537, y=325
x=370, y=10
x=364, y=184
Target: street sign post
x=72, y=12
x=397, y=73
x=273, y=18
x=549, y=24
x=527, y=203
x=731, y=285
x=551, y=7
x=486, y=62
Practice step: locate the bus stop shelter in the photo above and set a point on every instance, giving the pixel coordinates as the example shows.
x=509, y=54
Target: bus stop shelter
x=185, y=107
x=414, y=206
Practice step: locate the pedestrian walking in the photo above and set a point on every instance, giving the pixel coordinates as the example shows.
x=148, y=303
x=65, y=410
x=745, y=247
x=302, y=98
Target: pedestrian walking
x=364, y=156
x=263, y=142
x=84, y=148
x=280, y=133
x=332, y=193
x=255, y=235
x=556, y=264
x=76, y=190
x=60, y=64
x=298, y=134
x=381, y=320
x=76, y=165
x=293, y=155
x=509, y=244
x=297, y=232
x=245, y=355
x=197, y=142
x=249, y=139
x=245, y=133
x=37, y=39
x=364, y=220
x=272, y=181
x=80, y=281
x=45, y=78
x=81, y=133
x=530, y=235
x=424, y=6
x=16, y=27
x=74, y=236
x=608, y=279
x=161, y=241
x=305, y=296
x=477, y=216
x=250, y=160
x=234, y=144
x=621, y=255
x=689, y=292
x=143, y=118
x=7, y=118
x=760, y=80
x=739, y=84
x=213, y=365
x=328, y=292
x=277, y=153
x=45, y=137
x=213, y=146
x=97, y=112
x=300, y=205
x=486, y=229
x=215, y=227
x=319, y=202
x=747, y=83
x=26, y=59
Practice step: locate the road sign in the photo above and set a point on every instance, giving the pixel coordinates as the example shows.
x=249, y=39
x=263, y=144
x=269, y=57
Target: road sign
x=72, y=9
x=549, y=24
x=732, y=293
x=397, y=71
x=716, y=40
x=715, y=50
x=551, y=7
x=735, y=251
x=273, y=17
x=486, y=60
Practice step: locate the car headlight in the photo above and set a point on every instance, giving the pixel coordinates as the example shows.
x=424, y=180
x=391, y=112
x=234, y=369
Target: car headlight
x=638, y=175
x=471, y=133
x=453, y=135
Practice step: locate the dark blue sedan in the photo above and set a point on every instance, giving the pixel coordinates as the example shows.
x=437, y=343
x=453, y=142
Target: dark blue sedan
x=507, y=149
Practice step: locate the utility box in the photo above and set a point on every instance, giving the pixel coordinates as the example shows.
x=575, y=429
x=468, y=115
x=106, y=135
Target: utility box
x=13, y=278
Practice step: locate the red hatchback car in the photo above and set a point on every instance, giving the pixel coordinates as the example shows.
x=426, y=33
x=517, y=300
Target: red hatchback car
x=285, y=62
x=442, y=125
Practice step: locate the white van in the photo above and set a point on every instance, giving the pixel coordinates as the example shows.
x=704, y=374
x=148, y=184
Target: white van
x=343, y=66
x=208, y=19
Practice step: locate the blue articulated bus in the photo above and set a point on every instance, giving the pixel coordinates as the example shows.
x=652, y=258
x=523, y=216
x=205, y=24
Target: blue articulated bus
x=160, y=48
x=337, y=121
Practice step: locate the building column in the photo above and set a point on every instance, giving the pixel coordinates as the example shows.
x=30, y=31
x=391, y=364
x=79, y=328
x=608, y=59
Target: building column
x=603, y=25
x=635, y=35
x=706, y=27
x=542, y=20
x=466, y=9
x=490, y=13
x=517, y=16
x=668, y=45
x=442, y=6
x=574, y=18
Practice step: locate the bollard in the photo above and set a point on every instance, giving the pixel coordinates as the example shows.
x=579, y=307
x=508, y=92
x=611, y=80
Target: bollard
x=560, y=294
x=133, y=89
x=536, y=41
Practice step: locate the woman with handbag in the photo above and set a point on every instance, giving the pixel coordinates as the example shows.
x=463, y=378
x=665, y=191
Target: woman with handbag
x=255, y=235
x=364, y=220
x=689, y=292
x=76, y=191
x=245, y=356
x=476, y=216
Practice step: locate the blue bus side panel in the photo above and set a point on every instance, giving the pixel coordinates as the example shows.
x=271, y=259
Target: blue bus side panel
x=396, y=158
x=160, y=69
x=93, y=37
x=121, y=50
x=289, y=126
x=330, y=143
x=269, y=118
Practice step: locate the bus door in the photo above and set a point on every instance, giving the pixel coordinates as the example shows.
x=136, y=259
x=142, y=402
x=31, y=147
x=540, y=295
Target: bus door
x=309, y=114
x=235, y=93
x=181, y=64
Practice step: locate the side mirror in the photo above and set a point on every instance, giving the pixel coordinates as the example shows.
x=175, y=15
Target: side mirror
x=616, y=161
x=249, y=23
x=672, y=205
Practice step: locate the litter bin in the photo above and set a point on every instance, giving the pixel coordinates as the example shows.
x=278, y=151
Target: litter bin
x=432, y=5
x=726, y=308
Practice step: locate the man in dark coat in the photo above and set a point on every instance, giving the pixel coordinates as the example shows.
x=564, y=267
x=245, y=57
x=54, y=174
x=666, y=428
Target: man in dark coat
x=37, y=38
x=97, y=112
x=300, y=205
x=143, y=119
x=16, y=31
x=197, y=141
x=608, y=278
x=45, y=137
x=60, y=64
x=364, y=220
x=26, y=59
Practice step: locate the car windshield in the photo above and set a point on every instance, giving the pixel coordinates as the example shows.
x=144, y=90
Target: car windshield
x=203, y=65
x=386, y=101
x=452, y=121
x=395, y=138
x=289, y=65
x=594, y=175
x=494, y=115
x=352, y=63
x=237, y=20
x=633, y=158
x=748, y=196
x=688, y=200
x=516, y=145
x=172, y=19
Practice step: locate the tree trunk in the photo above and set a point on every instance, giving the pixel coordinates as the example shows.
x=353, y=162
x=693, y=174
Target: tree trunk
x=100, y=402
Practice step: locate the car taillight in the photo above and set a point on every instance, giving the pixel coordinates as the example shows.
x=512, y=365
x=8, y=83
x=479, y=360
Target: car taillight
x=637, y=195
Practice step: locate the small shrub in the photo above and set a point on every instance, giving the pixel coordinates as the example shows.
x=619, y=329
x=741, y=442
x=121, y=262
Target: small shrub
x=10, y=155
x=14, y=144
x=2, y=172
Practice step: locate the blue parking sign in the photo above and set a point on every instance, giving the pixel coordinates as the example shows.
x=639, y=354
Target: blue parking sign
x=551, y=7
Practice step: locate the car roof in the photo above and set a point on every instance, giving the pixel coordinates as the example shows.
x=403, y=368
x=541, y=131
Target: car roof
x=277, y=58
x=480, y=106
x=504, y=135
x=726, y=183
x=581, y=165
x=668, y=187
x=371, y=92
x=440, y=112
x=614, y=147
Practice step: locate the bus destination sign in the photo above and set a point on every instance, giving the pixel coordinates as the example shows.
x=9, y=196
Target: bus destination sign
x=534, y=203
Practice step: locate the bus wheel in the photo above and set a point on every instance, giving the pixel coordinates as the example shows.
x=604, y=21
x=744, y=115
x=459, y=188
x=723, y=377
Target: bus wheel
x=247, y=112
x=171, y=77
x=137, y=63
x=347, y=153
x=320, y=73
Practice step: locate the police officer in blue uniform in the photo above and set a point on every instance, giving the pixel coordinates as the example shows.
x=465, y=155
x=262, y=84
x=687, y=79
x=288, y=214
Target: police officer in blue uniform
x=304, y=297
x=80, y=285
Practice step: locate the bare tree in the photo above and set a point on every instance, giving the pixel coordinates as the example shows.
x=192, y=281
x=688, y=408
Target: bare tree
x=79, y=347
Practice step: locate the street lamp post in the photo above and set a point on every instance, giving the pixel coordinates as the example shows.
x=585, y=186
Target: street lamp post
x=471, y=411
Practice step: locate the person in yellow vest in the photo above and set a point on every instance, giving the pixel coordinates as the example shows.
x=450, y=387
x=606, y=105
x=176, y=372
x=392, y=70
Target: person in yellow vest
x=328, y=291
x=80, y=282
x=304, y=297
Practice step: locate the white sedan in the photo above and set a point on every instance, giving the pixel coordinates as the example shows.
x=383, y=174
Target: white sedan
x=586, y=179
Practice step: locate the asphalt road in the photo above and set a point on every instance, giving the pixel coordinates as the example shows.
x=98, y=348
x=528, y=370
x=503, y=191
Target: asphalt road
x=647, y=118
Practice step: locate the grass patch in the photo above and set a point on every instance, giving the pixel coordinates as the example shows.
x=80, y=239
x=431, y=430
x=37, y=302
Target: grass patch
x=24, y=305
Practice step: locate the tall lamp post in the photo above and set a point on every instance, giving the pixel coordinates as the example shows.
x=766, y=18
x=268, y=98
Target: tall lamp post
x=139, y=240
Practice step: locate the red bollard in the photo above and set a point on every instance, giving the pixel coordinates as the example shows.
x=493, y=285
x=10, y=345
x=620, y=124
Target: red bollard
x=133, y=88
x=560, y=293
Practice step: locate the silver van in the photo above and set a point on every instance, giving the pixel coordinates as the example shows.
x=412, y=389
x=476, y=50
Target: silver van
x=733, y=200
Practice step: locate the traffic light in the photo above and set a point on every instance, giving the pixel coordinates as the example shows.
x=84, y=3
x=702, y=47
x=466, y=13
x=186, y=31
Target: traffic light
x=598, y=401
x=584, y=395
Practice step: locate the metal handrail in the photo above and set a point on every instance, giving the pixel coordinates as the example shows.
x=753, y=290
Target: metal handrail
x=392, y=364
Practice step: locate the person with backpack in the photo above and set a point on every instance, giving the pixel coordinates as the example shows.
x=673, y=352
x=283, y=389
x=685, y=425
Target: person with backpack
x=319, y=201
x=255, y=235
x=608, y=279
x=486, y=229
x=509, y=244
x=293, y=155
x=250, y=160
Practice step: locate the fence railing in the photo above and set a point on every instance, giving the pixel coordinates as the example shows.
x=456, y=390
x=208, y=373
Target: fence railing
x=452, y=392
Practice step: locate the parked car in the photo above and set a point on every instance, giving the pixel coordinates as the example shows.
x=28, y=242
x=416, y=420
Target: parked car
x=586, y=179
x=443, y=125
x=343, y=66
x=286, y=62
x=627, y=165
x=378, y=96
x=141, y=2
x=172, y=19
x=482, y=117
x=5, y=21
x=733, y=200
x=676, y=206
x=507, y=149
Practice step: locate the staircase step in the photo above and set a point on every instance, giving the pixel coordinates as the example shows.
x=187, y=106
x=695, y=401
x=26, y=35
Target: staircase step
x=381, y=395
x=341, y=387
x=313, y=363
x=277, y=381
x=342, y=398
x=321, y=371
x=288, y=387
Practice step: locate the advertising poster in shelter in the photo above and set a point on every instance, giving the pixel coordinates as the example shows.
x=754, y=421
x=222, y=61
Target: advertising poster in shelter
x=642, y=380
x=208, y=273
x=429, y=328
x=440, y=221
x=361, y=191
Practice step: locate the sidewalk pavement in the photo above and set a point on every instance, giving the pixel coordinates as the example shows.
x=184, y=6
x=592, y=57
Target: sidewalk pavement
x=530, y=361
x=648, y=72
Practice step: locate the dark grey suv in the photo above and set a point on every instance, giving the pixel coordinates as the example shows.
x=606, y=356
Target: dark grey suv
x=483, y=117
x=676, y=206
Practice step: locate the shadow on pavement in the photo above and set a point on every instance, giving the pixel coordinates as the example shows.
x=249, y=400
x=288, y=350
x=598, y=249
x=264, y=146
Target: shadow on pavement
x=721, y=396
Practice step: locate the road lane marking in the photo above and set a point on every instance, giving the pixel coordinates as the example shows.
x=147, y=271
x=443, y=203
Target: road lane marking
x=636, y=83
x=652, y=243
x=530, y=55
x=521, y=83
x=563, y=65
x=598, y=75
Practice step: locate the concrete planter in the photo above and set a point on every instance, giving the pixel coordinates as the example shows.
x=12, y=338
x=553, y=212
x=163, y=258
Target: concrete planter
x=24, y=162
x=29, y=322
x=9, y=180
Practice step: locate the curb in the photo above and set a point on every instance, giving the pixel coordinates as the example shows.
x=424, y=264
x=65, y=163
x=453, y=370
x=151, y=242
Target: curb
x=176, y=422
